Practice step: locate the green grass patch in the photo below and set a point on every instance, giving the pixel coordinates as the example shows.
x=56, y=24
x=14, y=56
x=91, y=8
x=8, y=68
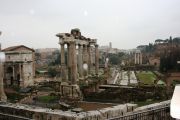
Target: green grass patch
x=47, y=99
x=14, y=97
x=146, y=77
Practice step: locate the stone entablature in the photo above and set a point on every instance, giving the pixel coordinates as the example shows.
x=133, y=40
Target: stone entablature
x=14, y=56
x=67, y=38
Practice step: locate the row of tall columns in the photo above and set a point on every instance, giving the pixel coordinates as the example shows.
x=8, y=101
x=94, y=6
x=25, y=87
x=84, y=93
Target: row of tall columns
x=84, y=57
x=138, y=58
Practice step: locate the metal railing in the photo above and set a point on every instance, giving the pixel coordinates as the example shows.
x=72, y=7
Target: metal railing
x=153, y=114
x=4, y=116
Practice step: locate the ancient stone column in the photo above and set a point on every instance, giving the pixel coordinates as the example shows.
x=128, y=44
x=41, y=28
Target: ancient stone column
x=96, y=59
x=73, y=62
x=33, y=59
x=85, y=54
x=2, y=93
x=89, y=58
x=69, y=62
x=140, y=58
x=22, y=75
x=80, y=61
x=135, y=58
x=13, y=74
x=85, y=59
x=20, y=79
x=63, y=66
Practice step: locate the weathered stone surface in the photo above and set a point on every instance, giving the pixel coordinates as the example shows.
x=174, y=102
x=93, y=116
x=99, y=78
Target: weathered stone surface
x=19, y=66
x=39, y=113
x=80, y=61
x=2, y=93
x=77, y=59
x=96, y=59
x=63, y=66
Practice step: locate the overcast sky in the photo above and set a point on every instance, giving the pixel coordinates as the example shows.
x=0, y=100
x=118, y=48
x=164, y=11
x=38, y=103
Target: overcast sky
x=125, y=23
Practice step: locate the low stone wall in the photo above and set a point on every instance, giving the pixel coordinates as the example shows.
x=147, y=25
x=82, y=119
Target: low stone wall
x=18, y=110
x=153, y=106
x=39, y=113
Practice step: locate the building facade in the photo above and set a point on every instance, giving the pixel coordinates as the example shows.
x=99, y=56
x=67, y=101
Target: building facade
x=19, y=68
